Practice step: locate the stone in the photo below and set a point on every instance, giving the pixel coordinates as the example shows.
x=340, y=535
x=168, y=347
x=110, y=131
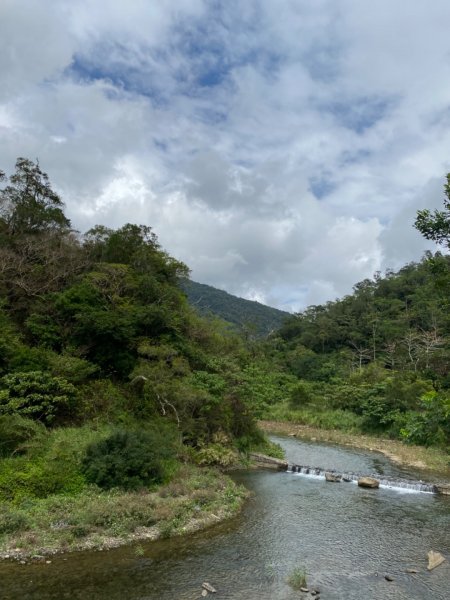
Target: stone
x=443, y=488
x=204, y=593
x=368, y=482
x=346, y=478
x=304, y=590
x=411, y=571
x=388, y=578
x=434, y=559
x=208, y=587
x=332, y=477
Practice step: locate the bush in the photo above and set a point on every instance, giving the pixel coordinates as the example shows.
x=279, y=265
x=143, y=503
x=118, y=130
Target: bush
x=128, y=459
x=12, y=521
x=35, y=394
x=16, y=432
x=300, y=396
x=431, y=426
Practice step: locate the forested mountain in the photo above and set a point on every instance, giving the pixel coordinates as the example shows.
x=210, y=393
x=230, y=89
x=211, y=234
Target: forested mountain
x=249, y=316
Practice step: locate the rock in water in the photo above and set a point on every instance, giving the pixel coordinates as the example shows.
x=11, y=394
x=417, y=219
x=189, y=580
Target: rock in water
x=332, y=476
x=388, y=578
x=204, y=593
x=368, y=482
x=208, y=587
x=434, y=559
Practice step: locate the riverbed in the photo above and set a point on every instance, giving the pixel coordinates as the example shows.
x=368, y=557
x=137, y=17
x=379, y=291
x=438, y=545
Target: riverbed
x=347, y=539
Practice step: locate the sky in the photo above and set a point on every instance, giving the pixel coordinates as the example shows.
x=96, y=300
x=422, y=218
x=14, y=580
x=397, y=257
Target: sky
x=280, y=148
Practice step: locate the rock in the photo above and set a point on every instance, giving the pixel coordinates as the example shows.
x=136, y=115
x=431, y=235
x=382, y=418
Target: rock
x=204, y=593
x=411, y=571
x=388, y=578
x=305, y=590
x=434, y=560
x=332, y=477
x=346, y=478
x=315, y=592
x=443, y=488
x=368, y=482
x=208, y=587
x=292, y=435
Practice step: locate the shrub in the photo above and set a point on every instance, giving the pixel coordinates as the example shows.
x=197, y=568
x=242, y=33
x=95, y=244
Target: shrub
x=12, y=521
x=16, y=432
x=300, y=396
x=128, y=459
x=35, y=394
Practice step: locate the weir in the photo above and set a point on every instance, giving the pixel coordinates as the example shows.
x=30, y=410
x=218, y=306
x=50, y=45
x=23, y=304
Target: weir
x=393, y=483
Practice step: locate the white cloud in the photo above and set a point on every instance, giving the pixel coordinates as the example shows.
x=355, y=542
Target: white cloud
x=217, y=123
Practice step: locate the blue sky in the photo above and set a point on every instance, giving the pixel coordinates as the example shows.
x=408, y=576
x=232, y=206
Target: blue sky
x=281, y=149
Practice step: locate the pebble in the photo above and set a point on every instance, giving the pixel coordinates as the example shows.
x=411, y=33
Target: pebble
x=388, y=578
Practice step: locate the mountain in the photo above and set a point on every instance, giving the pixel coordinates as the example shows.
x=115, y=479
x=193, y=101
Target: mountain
x=238, y=311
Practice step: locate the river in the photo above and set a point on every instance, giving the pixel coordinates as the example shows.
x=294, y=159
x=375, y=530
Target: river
x=346, y=538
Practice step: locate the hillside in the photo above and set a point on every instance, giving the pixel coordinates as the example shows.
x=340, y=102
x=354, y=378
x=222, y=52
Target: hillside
x=243, y=313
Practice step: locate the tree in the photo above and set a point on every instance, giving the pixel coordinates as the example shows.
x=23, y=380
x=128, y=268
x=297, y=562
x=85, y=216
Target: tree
x=28, y=204
x=436, y=226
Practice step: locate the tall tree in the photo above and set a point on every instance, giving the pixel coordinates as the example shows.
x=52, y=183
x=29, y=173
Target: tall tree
x=28, y=204
x=436, y=226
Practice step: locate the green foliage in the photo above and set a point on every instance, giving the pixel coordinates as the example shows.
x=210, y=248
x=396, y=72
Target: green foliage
x=51, y=465
x=436, y=226
x=28, y=204
x=17, y=432
x=128, y=459
x=12, y=521
x=300, y=396
x=432, y=425
x=36, y=394
x=297, y=578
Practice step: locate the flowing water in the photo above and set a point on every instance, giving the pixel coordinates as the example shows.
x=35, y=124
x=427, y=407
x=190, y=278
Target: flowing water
x=346, y=538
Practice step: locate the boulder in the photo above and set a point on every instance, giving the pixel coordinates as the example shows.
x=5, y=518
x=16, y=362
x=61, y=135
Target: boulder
x=434, y=559
x=443, y=488
x=368, y=482
x=332, y=477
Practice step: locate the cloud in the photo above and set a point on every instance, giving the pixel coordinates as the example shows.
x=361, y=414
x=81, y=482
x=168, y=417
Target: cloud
x=280, y=149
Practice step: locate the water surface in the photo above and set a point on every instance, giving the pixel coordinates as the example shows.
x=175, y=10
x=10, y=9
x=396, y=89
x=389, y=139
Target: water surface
x=346, y=538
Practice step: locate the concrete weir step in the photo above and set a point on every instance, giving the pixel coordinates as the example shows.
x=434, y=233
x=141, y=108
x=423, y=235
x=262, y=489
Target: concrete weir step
x=268, y=462
x=381, y=480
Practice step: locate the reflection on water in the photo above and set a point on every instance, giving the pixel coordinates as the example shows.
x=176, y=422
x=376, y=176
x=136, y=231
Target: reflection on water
x=346, y=537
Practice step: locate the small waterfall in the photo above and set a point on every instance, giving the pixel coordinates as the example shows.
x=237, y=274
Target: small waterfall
x=393, y=483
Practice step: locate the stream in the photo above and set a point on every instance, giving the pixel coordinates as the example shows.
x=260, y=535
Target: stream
x=345, y=537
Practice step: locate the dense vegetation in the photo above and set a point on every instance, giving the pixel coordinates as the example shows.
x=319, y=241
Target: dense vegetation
x=377, y=360
x=98, y=341
x=250, y=317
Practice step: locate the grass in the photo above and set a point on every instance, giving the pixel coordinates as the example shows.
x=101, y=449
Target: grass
x=343, y=420
x=94, y=519
x=297, y=578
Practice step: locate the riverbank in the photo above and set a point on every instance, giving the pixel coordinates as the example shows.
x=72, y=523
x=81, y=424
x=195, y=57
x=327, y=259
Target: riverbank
x=197, y=498
x=412, y=456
